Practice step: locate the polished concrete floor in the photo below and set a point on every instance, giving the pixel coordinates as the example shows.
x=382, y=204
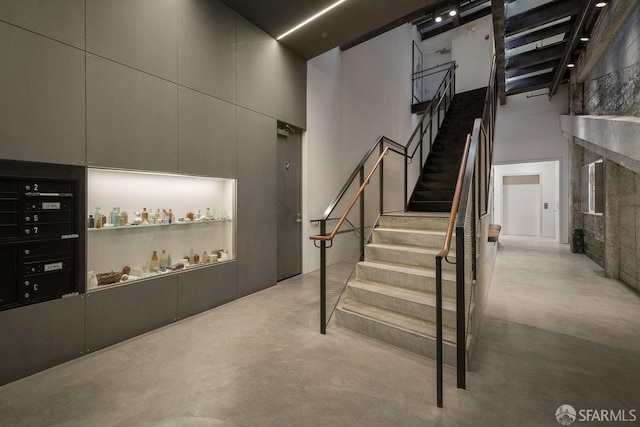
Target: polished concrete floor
x=555, y=332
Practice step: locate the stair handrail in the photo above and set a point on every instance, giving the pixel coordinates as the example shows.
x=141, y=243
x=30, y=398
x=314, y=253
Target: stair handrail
x=397, y=148
x=355, y=198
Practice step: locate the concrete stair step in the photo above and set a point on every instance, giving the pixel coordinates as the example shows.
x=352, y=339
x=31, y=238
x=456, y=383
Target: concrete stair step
x=408, y=277
x=409, y=333
x=421, y=305
x=412, y=237
x=417, y=222
x=407, y=255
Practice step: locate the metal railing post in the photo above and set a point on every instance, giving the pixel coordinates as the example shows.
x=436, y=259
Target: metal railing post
x=430, y=127
x=460, y=323
x=421, y=141
x=381, y=181
x=406, y=180
x=323, y=279
x=439, y=329
x=362, y=217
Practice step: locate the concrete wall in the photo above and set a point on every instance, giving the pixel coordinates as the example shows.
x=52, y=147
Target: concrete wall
x=614, y=84
x=610, y=100
x=528, y=130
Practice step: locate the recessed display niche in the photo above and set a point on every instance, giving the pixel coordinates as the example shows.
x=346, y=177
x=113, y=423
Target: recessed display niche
x=142, y=225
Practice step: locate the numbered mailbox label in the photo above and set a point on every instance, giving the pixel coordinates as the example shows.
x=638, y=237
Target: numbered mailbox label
x=50, y=206
x=53, y=267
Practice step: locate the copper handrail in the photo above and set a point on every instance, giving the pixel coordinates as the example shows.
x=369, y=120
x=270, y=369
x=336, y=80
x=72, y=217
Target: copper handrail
x=456, y=200
x=353, y=201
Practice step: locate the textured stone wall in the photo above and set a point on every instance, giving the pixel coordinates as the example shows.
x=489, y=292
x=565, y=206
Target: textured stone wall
x=614, y=84
x=629, y=222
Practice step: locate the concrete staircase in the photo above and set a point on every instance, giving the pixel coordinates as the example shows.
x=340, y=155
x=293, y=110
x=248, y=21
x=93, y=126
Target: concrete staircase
x=392, y=297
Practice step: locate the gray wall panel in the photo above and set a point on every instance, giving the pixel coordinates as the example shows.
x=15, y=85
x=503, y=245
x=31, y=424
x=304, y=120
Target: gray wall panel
x=39, y=336
x=42, y=91
x=142, y=34
x=119, y=313
x=205, y=288
x=257, y=154
x=62, y=20
x=292, y=88
x=132, y=118
x=207, y=135
x=256, y=69
x=207, y=48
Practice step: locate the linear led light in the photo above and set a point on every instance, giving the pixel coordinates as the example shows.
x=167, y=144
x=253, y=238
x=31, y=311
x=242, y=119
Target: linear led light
x=601, y=4
x=314, y=17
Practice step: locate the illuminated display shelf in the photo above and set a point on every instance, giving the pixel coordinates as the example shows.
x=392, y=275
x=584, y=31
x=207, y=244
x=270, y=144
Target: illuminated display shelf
x=130, y=248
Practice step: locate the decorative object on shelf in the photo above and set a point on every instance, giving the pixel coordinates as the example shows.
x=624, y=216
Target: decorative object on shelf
x=223, y=213
x=145, y=216
x=124, y=277
x=108, y=278
x=205, y=258
x=97, y=217
x=177, y=266
x=92, y=223
x=170, y=216
x=208, y=214
x=196, y=259
x=164, y=261
x=191, y=257
x=115, y=217
x=92, y=280
x=190, y=216
x=124, y=218
x=154, y=265
x=169, y=260
x=213, y=256
x=126, y=270
x=137, y=220
x=159, y=219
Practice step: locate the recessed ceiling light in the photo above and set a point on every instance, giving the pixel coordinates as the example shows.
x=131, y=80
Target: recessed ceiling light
x=314, y=17
x=453, y=12
x=601, y=4
x=571, y=65
x=438, y=18
x=584, y=38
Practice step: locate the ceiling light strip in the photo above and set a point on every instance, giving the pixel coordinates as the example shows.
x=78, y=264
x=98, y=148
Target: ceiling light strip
x=314, y=17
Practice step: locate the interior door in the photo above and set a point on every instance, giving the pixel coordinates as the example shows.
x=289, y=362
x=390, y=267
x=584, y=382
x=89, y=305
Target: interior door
x=289, y=195
x=521, y=204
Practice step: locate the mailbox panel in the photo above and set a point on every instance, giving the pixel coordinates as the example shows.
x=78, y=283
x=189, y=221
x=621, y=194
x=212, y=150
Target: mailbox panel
x=41, y=232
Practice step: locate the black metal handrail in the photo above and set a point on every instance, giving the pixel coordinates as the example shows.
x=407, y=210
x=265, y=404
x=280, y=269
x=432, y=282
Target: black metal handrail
x=475, y=187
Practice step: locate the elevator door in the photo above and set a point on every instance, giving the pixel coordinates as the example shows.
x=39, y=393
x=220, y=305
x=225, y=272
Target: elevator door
x=289, y=214
x=521, y=205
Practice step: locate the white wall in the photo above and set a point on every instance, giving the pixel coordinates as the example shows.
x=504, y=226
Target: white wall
x=528, y=130
x=353, y=97
x=549, y=218
x=472, y=49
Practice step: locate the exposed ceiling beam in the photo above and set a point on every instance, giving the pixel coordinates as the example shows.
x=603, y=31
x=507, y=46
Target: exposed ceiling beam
x=572, y=41
x=529, y=83
x=450, y=26
x=536, y=56
x=541, y=15
x=535, y=36
x=609, y=23
x=532, y=69
x=497, y=10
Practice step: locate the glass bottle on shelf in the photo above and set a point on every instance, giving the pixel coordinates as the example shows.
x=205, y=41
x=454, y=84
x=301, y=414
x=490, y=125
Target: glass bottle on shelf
x=115, y=218
x=163, y=259
x=154, y=265
x=97, y=217
x=124, y=218
x=223, y=213
x=92, y=223
x=145, y=216
x=170, y=216
x=158, y=216
x=208, y=214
